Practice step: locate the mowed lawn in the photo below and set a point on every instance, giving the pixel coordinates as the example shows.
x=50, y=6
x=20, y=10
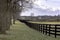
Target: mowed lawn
x=20, y=31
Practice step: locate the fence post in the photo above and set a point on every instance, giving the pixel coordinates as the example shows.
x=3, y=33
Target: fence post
x=55, y=30
x=39, y=27
x=34, y=25
x=43, y=28
x=30, y=24
x=46, y=29
x=49, y=29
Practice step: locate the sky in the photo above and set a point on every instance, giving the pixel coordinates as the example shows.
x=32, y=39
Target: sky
x=45, y=4
x=51, y=4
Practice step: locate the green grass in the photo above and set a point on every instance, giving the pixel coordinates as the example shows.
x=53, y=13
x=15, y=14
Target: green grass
x=45, y=22
x=20, y=31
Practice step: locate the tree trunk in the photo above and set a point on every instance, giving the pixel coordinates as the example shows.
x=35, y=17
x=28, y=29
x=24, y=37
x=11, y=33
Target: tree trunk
x=4, y=16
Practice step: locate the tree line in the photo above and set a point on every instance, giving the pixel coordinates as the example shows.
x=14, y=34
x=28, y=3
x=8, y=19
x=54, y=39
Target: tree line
x=11, y=9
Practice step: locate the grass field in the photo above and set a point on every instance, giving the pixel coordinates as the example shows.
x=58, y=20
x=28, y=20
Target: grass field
x=45, y=22
x=20, y=31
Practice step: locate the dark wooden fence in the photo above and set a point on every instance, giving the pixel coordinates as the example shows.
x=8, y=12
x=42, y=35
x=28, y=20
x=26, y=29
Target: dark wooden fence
x=47, y=29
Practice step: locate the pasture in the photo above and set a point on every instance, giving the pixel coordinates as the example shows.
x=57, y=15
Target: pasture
x=45, y=22
x=20, y=31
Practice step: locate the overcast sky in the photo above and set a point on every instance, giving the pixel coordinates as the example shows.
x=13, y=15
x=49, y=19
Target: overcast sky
x=44, y=4
x=52, y=4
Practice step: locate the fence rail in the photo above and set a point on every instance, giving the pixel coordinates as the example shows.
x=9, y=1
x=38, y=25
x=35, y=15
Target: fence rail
x=49, y=29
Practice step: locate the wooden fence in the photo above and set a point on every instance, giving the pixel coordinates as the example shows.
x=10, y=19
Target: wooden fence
x=49, y=29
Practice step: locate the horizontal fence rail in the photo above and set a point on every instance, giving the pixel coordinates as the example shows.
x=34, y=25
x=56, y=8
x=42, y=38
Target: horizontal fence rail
x=49, y=29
